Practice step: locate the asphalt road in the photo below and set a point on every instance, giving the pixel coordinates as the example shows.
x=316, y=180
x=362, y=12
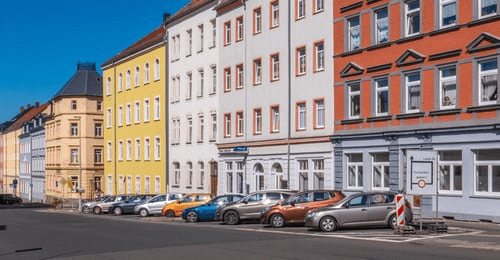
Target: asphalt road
x=45, y=234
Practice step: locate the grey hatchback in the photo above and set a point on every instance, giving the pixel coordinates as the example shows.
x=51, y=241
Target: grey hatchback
x=361, y=209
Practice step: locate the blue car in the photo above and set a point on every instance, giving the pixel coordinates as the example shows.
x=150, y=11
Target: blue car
x=207, y=211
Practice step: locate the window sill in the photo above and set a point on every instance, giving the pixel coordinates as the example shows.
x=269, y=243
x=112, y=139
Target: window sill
x=189, y=142
x=445, y=30
x=211, y=47
x=445, y=112
x=212, y=93
x=348, y=53
x=300, y=74
x=444, y=193
x=483, y=108
x=319, y=70
x=211, y=140
x=146, y=83
x=319, y=127
x=351, y=121
x=188, y=55
x=257, y=84
x=239, y=88
x=200, y=188
x=379, y=46
x=315, y=12
x=485, y=196
x=484, y=20
x=410, y=38
x=351, y=7
x=410, y=115
x=199, y=141
x=175, y=186
x=378, y=118
x=274, y=80
x=189, y=187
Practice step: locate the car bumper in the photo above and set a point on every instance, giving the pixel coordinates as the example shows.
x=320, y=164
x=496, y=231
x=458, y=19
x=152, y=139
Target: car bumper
x=310, y=222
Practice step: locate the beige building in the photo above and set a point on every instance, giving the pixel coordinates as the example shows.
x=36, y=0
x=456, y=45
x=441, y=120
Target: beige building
x=74, y=137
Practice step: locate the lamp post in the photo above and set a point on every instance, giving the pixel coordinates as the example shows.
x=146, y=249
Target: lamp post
x=80, y=182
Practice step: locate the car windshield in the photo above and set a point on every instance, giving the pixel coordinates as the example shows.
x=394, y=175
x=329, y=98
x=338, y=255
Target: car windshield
x=110, y=199
x=219, y=200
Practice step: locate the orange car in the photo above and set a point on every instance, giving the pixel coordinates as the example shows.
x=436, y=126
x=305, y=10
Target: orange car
x=175, y=208
x=295, y=208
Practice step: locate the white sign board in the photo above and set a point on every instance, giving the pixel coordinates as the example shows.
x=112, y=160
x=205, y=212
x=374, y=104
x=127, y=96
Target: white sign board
x=422, y=172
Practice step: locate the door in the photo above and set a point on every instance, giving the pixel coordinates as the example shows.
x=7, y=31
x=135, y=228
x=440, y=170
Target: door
x=213, y=178
x=297, y=212
x=380, y=206
x=355, y=211
x=253, y=206
x=157, y=204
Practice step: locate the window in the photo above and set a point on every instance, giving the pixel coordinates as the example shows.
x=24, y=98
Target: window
x=301, y=116
x=303, y=175
x=239, y=177
x=201, y=128
x=176, y=47
x=381, y=25
x=229, y=174
x=201, y=34
x=74, y=155
x=137, y=149
x=257, y=20
x=319, y=5
x=157, y=184
x=448, y=87
x=213, y=135
x=227, y=33
x=138, y=184
x=157, y=69
x=239, y=29
x=214, y=33
x=190, y=174
x=120, y=82
x=319, y=56
x=487, y=171
x=239, y=76
x=157, y=148
x=108, y=86
x=98, y=156
x=239, y=124
x=227, y=79
x=487, y=7
x=146, y=110
x=488, y=82
x=120, y=115
x=447, y=13
x=319, y=174
x=129, y=150
x=382, y=96
x=120, y=150
x=227, y=125
x=189, y=137
x=300, y=61
x=146, y=185
x=157, y=108
x=73, y=105
x=380, y=171
x=127, y=80
x=257, y=121
x=108, y=151
x=450, y=171
x=300, y=9
x=137, y=112
x=99, y=105
x=319, y=106
x=413, y=95
x=201, y=168
x=275, y=14
x=275, y=119
x=74, y=180
x=128, y=112
x=177, y=173
x=146, y=148
x=412, y=12
x=201, y=84
x=354, y=171
x=74, y=129
x=257, y=71
x=137, y=76
x=146, y=73
x=189, y=41
x=275, y=69
x=176, y=131
x=98, y=130
x=354, y=33
x=189, y=85
x=175, y=89
x=213, y=89
x=129, y=184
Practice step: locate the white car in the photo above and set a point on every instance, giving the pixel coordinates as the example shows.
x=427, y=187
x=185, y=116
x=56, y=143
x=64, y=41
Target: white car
x=154, y=205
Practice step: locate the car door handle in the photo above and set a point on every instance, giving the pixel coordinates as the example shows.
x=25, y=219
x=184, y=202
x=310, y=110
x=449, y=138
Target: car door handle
x=363, y=209
x=390, y=207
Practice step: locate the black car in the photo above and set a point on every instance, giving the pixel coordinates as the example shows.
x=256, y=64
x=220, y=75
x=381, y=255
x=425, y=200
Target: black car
x=127, y=206
x=10, y=199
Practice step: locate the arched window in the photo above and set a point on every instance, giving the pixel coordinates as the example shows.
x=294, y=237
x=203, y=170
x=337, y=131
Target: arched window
x=281, y=182
x=108, y=86
x=157, y=69
x=128, y=79
x=259, y=176
x=137, y=76
x=120, y=82
x=146, y=73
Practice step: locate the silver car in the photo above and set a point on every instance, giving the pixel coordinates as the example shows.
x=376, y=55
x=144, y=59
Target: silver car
x=362, y=209
x=103, y=207
x=154, y=205
x=87, y=206
x=250, y=206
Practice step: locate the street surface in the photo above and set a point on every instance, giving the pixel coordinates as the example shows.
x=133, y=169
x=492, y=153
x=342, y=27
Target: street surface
x=49, y=234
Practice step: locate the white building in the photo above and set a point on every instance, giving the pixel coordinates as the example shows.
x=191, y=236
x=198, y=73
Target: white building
x=192, y=108
x=276, y=98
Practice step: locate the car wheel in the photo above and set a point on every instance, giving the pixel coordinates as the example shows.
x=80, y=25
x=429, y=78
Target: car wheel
x=117, y=211
x=393, y=221
x=231, y=217
x=85, y=210
x=192, y=217
x=97, y=210
x=277, y=220
x=170, y=214
x=143, y=213
x=328, y=224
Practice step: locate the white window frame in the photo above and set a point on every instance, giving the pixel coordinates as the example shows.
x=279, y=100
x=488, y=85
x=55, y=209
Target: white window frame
x=409, y=14
x=451, y=164
x=213, y=89
x=120, y=115
x=108, y=86
x=275, y=127
x=275, y=14
x=189, y=85
x=108, y=151
x=258, y=71
x=354, y=91
x=138, y=184
x=303, y=166
x=257, y=16
x=108, y=117
x=137, y=149
x=227, y=127
x=157, y=108
x=213, y=41
x=481, y=74
x=157, y=69
x=379, y=90
x=227, y=33
x=189, y=42
x=128, y=149
x=189, y=137
x=147, y=185
x=240, y=77
x=127, y=79
x=258, y=121
x=240, y=27
x=147, y=149
x=146, y=73
x=319, y=174
x=201, y=84
x=444, y=83
x=201, y=33
x=157, y=148
x=355, y=183
x=120, y=82
x=480, y=7
x=352, y=30
x=240, y=122
x=301, y=107
x=129, y=184
x=383, y=168
x=120, y=150
x=213, y=136
x=137, y=112
x=319, y=5
x=201, y=174
x=157, y=184
x=146, y=110
x=128, y=113
x=275, y=72
x=320, y=113
x=137, y=76
x=489, y=164
x=201, y=128
x=408, y=85
x=379, y=23
x=301, y=60
x=177, y=173
x=301, y=9
x=442, y=5
x=189, y=174
x=320, y=56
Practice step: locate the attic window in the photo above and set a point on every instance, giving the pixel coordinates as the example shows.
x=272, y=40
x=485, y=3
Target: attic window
x=73, y=104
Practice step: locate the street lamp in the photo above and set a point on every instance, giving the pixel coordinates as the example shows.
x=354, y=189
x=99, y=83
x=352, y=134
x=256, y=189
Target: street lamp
x=80, y=181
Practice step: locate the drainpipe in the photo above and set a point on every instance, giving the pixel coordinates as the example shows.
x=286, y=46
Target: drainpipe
x=167, y=112
x=114, y=128
x=289, y=93
x=246, y=189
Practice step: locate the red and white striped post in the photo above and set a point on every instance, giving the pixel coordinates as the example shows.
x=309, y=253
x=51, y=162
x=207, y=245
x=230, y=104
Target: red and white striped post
x=400, y=209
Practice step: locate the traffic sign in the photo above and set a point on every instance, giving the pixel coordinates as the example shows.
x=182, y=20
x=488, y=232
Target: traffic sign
x=240, y=149
x=70, y=184
x=422, y=172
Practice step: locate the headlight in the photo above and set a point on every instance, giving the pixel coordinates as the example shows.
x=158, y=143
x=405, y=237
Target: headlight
x=311, y=214
x=266, y=210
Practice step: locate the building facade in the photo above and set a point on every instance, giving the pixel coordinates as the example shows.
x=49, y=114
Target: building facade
x=74, y=137
x=276, y=103
x=193, y=98
x=134, y=91
x=419, y=75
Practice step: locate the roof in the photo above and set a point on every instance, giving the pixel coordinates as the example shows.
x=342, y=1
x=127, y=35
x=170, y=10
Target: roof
x=154, y=37
x=85, y=82
x=188, y=8
x=27, y=116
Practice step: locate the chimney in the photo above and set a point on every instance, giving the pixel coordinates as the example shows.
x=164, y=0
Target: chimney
x=28, y=106
x=37, y=104
x=166, y=16
x=21, y=109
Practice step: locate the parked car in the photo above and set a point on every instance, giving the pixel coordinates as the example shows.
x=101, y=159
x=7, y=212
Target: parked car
x=362, y=209
x=127, y=206
x=10, y=199
x=89, y=205
x=174, y=209
x=251, y=206
x=154, y=205
x=207, y=210
x=294, y=209
x=103, y=207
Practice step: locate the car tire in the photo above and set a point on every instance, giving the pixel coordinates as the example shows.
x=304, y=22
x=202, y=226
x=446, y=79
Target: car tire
x=170, y=214
x=231, y=217
x=97, y=210
x=85, y=210
x=328, y=224
x=393, y=221
x=117, y=211
x=143, y=213
x=191, y=216
x=277, y=220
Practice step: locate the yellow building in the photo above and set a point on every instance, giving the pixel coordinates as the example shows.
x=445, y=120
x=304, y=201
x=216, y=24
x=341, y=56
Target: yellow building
x=134, y=99
x=74, y=137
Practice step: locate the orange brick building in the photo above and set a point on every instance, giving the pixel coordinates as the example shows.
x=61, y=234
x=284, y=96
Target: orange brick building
x=419, y=75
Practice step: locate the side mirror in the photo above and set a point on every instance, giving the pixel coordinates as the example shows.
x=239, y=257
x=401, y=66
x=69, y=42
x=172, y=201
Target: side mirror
x=244, y=201
x=292, y=203
x=178, y=202
x=346, y=206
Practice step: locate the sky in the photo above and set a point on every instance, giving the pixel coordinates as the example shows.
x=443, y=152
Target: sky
x=41, y=42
